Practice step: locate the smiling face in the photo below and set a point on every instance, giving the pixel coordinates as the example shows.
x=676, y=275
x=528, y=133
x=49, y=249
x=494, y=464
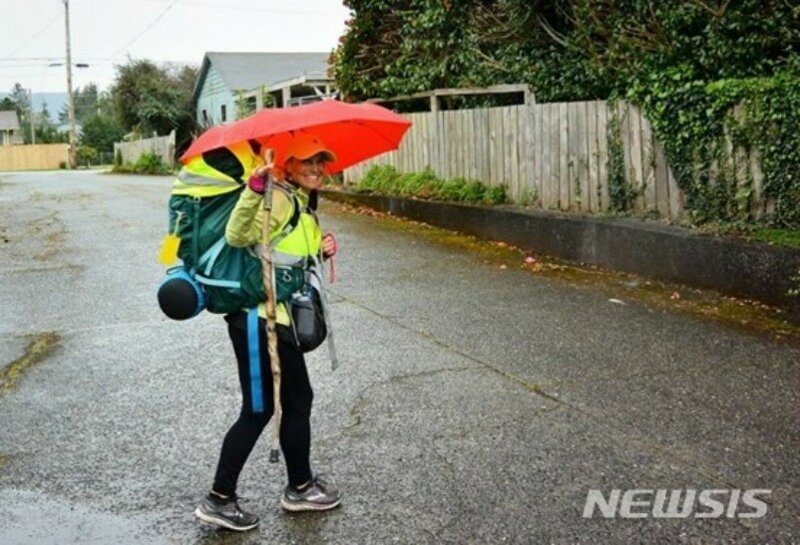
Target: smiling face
x=307, y=173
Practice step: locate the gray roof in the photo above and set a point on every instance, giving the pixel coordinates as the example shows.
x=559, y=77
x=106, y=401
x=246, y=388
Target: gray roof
x=9, y=120
x=246, y=71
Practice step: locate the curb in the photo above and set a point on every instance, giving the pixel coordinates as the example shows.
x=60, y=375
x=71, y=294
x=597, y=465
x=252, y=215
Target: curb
x=671, y=254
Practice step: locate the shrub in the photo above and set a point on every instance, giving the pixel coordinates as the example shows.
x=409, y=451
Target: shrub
x=86, y=155
x=379, y=179
x=385, y=180
x=495, y=195
x=148, y=163
x=423, y=184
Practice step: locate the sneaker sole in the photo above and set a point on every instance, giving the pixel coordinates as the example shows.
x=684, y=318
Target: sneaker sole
x=308, y=506
x=221, y=522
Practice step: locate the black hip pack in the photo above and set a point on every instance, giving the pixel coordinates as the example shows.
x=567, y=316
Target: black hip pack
x=307, y=320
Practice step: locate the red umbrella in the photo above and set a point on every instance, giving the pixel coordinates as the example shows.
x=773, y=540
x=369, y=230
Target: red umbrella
x=354, y=132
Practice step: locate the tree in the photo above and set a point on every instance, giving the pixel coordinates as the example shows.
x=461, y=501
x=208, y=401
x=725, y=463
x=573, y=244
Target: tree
x=567, y=50
x=44, y=114
x=100, y=131
x=7, y=104
x=46, y=132
x=22, y=105
x=149, y=98
x=21, y=98
x=87, y=103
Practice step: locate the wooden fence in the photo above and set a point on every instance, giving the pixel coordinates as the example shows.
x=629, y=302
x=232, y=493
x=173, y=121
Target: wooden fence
x=163, y=146
x=555, y=155
x=33, y=157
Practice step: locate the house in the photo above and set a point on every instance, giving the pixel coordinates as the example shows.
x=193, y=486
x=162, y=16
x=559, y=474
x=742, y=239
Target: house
x=10, y=132
x=232, y=85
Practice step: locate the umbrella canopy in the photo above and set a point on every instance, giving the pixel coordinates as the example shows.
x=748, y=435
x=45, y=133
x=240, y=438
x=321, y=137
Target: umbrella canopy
x=354, y=132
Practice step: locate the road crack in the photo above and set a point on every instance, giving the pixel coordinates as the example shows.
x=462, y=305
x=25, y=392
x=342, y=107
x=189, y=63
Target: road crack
x=621, y=435
x=361, y=398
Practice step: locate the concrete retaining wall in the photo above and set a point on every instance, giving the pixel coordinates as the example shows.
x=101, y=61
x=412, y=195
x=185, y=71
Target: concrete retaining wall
x=729, y=265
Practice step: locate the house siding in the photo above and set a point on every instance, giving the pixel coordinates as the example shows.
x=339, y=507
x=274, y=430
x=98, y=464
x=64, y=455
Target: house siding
x=213, y=95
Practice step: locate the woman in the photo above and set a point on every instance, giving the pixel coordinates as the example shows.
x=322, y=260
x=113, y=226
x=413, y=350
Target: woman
x=303, y=170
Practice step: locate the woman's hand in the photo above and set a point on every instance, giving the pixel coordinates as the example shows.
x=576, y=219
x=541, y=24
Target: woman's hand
x=268, y=155
x=256, y=181
x=329, y=246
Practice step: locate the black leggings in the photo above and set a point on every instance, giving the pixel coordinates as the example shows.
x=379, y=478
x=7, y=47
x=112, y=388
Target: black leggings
x=257, y=404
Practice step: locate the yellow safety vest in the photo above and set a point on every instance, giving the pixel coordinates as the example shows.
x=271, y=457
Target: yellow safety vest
x=303, y=241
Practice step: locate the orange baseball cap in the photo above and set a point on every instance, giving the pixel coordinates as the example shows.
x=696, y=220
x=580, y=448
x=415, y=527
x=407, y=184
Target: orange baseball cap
x=305, y=146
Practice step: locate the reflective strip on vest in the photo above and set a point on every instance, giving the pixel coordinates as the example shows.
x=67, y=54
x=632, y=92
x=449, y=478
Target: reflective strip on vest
x=286, y=260
x=190, y=178
x=200, y=191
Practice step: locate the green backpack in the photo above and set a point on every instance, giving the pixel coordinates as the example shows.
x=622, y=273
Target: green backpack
x=225, y=278
x=230, y=277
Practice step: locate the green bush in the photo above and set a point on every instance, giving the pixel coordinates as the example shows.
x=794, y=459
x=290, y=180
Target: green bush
x=385, y=180
x=379, y=179
x=148, y=163
x=86, y=156
x=495, y=195
x=423, y=184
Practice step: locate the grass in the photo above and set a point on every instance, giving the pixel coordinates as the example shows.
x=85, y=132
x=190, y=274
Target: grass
x=789, y=238
x=779, y=237
x=38, y=349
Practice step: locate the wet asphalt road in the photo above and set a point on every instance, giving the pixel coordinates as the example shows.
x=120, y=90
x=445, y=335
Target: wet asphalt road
x=473, y=404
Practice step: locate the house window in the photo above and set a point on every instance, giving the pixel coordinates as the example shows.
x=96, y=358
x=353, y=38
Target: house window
x=223, y=113
x=205, y=117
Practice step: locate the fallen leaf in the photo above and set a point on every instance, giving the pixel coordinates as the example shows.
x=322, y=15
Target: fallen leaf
x=616, y=301
x=503, y=267
x=675, y=295
x=530, y=260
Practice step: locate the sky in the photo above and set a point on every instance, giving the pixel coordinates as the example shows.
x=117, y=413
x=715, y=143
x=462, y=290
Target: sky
x=105, y=32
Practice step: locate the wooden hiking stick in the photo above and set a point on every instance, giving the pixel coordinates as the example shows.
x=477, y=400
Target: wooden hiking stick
x=271, y=310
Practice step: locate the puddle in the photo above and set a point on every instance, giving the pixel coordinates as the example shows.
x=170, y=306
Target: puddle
x=28, y=517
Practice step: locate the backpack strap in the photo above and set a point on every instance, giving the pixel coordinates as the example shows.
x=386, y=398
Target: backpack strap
x=293, y=221
x=196, y=230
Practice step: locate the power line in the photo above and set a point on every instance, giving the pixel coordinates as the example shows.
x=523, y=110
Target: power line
x=38, y=33
x=60, y=59
x=148, y=27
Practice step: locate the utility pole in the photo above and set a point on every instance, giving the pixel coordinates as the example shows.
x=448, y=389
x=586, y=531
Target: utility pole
x=33, y=116
x=73, y=135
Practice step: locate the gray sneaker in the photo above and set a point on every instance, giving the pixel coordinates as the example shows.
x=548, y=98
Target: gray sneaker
x=321, y=495
x=225, y=513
